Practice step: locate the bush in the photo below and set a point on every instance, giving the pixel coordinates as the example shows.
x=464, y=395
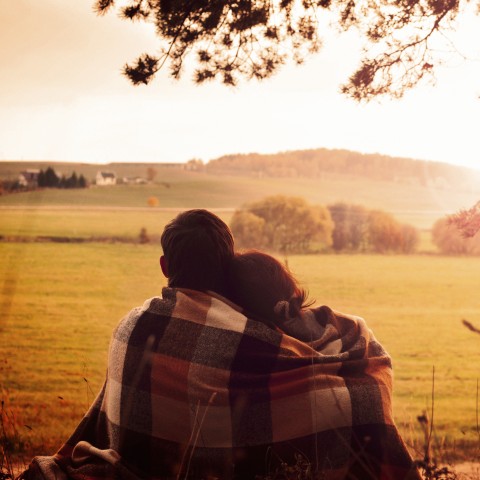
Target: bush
x=359, y=229
x=351, y=224
x=153, y=202
x=450, y=240
x=283, y=224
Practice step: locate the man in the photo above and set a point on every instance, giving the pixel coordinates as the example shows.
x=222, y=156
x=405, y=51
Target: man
x=196, y=389
x=197, y=248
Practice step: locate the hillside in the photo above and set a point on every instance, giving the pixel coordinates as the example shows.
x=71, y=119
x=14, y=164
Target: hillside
x=320, y=162
x=414, y=191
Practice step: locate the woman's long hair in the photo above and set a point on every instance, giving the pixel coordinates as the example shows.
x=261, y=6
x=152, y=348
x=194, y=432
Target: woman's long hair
x=258, y=282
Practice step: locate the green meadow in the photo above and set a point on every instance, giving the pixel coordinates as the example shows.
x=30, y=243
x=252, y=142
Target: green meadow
x=83, y=223
x=414, y=204
x=60, y=301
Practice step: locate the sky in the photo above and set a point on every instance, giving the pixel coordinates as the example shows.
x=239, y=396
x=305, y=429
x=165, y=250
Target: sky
x=63, y=98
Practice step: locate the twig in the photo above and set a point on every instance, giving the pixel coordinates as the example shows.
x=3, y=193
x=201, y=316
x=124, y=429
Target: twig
x=6, y=460
x=476, y=415
x=427, y=453
x=470, y=326
x=194, y=436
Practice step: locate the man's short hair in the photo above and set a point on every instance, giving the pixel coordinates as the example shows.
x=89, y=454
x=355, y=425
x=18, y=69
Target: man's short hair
x=198, y=247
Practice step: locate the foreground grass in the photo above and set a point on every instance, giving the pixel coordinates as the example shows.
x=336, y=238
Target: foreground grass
x=60, y=303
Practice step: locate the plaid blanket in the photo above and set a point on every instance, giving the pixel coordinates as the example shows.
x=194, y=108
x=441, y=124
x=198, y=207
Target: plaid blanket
x=196, y=389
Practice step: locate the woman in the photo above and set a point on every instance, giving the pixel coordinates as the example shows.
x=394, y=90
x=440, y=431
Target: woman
x=266, y=289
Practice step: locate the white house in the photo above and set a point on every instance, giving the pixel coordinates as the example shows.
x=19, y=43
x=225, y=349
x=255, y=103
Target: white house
x=105, y=178
x=29, y=178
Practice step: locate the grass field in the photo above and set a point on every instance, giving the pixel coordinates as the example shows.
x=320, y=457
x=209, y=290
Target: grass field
x=125, y=223
x=90, y=223
x=60, y=303
x=414, y=204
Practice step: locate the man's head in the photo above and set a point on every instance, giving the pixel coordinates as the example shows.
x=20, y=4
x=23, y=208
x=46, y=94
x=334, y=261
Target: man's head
x=197, y=248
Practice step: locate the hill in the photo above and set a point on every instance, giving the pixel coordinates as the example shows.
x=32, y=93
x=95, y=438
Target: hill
x=414, y=191
x=322, y=162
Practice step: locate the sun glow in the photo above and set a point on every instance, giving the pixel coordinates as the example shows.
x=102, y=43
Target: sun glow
x=63, y=98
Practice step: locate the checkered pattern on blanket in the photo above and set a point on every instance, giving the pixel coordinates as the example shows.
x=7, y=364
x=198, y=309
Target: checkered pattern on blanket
x=196, y=389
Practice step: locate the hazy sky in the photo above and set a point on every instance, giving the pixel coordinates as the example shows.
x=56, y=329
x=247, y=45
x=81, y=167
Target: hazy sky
x=62, y=97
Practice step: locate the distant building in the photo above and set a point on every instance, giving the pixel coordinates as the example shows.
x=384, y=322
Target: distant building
x=105, y=178
x=134, y=180
x=180, y=166
x=195, y=165
x=29, y=178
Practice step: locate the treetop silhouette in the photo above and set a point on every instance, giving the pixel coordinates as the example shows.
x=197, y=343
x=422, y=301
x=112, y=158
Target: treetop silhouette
x=230, y=40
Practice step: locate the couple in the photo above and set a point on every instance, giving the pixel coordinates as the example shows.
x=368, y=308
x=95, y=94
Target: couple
x=229, y=375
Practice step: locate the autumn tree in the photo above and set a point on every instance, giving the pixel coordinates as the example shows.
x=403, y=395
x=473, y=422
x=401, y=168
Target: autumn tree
x=351, y=224
x=467, y=221
x=383, y=234
x=449, y=239
x=359, y=229
x=409, y=238
x=153, y=201
x=253, y=38
x=248, y=229
x=151, y=174
x=284, y=224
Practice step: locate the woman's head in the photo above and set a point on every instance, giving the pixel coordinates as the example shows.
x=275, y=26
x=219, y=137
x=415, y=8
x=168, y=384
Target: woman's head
x=257, y=282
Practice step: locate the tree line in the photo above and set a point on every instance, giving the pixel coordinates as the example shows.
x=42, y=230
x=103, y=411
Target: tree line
x=291, y=225
x=50, y=179
x=318, y=163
